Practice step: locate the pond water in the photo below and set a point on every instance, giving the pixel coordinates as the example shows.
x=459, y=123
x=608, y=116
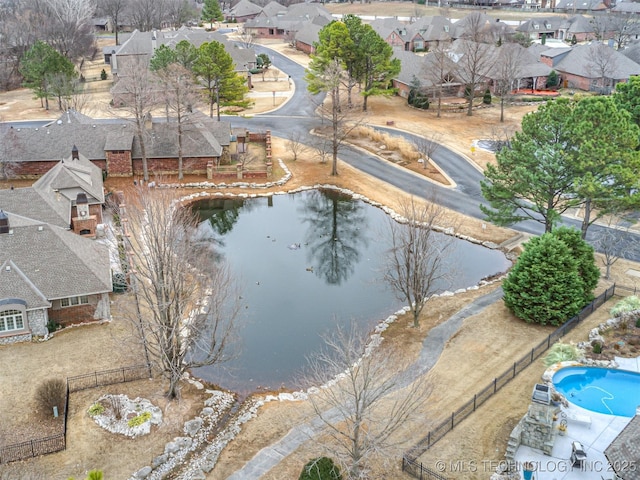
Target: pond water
x=307, y=262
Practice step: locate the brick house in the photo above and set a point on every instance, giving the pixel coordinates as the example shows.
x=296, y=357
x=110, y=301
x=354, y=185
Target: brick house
x=48, y=274
x=590, y=67
x=115, y=148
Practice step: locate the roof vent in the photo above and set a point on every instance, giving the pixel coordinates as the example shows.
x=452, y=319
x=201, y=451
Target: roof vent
x=8, y=268
x=40, y=228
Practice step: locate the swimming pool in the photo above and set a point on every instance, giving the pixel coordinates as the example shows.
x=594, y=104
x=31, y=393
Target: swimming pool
x=603, y=390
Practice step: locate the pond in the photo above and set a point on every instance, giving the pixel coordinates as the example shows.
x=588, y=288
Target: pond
x=307, y=262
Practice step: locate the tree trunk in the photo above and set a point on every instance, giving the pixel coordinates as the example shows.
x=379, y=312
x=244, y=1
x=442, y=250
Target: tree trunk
x=502, y=108
x=335, y=99
x=587, y=218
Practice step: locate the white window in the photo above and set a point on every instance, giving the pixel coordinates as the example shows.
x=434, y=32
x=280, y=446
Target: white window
x=11, y=320
x=73, y=301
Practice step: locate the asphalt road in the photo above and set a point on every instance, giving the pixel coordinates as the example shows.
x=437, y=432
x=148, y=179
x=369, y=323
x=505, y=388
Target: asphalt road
x=298, y=114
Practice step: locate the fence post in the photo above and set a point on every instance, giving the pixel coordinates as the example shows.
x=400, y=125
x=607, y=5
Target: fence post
x=495, y=383
x=33, y=452
x=475, y=395
x=452, y=419
x=95, y=376
x=514, y=369
x=532, y=355
x=429, y=438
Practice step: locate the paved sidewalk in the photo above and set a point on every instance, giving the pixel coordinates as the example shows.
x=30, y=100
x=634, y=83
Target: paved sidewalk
x=432, y=347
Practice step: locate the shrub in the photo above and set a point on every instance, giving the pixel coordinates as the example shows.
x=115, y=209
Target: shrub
x=552, y=79
x=103, y=74
x=486, y=99
x=52, y=326
x=544, y=285
x=51, y=393
x=562, y=352
x=626, y=305
x=96, y=409
x=321, y=468
x=139, y=419
x=116, y=403
x=597, y=347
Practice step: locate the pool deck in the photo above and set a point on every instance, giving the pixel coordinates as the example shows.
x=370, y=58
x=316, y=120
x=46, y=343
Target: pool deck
x=595, y=438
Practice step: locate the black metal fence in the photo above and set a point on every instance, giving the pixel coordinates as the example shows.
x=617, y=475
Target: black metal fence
x=416, y=469
x=108, y=377
x=57, y=442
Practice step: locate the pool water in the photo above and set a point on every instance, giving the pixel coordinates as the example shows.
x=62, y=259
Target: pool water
x=603, y=390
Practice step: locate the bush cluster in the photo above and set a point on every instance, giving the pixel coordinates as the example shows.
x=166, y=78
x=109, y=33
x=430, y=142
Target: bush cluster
x=139, y=419
x=51, y=393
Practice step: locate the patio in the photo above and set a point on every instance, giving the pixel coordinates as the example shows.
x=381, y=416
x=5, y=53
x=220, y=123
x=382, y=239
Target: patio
x=595, y=437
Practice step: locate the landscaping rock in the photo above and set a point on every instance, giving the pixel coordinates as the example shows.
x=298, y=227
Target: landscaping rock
x=191, y=427
x=142, y=473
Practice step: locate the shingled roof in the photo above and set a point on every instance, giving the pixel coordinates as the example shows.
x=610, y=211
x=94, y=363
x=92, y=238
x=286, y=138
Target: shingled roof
x=47, y=263
x=624, y=452
x=55, y=141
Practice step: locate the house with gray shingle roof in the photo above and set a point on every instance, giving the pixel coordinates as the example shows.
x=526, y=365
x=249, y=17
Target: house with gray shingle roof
x=115, y=148
x=288, y=22
x=591, y=67
x=242, y=11
x=139, y=47
x=48, y=275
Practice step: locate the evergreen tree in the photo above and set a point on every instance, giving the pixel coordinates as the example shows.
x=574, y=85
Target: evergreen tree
x=544, y=286
x=215, y=70
x=211, y=12
x=552, y=79
x=321, y=468
x=41, y=65
x=582, y=252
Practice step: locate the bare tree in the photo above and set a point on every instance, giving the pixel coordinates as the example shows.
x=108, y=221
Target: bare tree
x=322, y=148
x=368, y=397
x=602, y=65
x=145, y=15
x=427, y=146
x=68, y=26
x=295, y=144
x=186, y=297
x=440, y=68
x=115, y=10
x=341, y=118
x=619, y=26
x=140, y=95
x=9, y=145
x=246, y=39
x=475, y=55
x=613, y=246
x=416, y=264
x=509, y=67
x=180, y=94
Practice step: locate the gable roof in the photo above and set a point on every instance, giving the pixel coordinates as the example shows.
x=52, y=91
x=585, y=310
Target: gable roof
x=581, y=5
x=541, y=25
x=145, y=43
x=273, y=8
x=244, y=8
x=582, y=61
x=412, y=67
x=56, y=140
x=14, y=283
x=52, y=261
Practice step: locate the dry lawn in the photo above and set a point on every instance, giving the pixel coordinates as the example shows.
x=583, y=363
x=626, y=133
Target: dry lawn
x=485, y=345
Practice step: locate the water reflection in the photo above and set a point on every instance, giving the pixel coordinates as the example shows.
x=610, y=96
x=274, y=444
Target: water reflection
x=334, y=234
x=307, y=262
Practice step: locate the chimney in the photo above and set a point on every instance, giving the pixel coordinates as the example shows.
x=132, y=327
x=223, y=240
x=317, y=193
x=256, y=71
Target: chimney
x=4, y=222
x=82, y=205
x=74, y=153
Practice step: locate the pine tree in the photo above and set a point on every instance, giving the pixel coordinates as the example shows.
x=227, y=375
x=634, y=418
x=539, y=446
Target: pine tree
x=211, y=12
